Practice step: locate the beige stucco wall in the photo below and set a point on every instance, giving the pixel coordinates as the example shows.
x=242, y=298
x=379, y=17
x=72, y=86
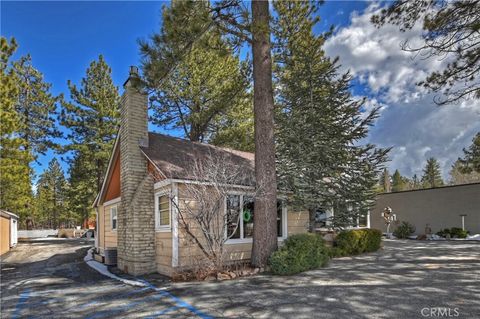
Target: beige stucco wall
x=439, y=207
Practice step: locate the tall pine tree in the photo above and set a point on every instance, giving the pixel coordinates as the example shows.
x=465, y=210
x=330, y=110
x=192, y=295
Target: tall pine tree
x=319, y=123
x=399, y=183
x=15, y=172
x=471, y=159
x=205, y=90
x=36, y=108
x=92, y=118
x=51, y=198
x=432, y=176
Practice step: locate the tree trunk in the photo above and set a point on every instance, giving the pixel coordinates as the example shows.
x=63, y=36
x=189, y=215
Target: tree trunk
x=265, y=214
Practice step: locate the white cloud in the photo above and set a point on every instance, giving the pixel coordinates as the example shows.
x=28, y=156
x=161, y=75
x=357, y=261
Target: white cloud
x=410, y=121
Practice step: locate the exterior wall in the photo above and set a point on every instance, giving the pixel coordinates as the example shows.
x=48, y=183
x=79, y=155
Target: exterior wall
x=4, y=234
x=113, y=188
x=190, y=255
x=100, y=235
x=110, y=235
x=439, y=207
x=163, y=242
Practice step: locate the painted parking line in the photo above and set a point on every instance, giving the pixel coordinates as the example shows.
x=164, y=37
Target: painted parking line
x=178, y=301
x=22, y=301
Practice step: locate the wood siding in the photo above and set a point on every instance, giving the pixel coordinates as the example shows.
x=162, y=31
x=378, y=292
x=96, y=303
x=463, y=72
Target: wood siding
x=4, y=234
x=113, y=185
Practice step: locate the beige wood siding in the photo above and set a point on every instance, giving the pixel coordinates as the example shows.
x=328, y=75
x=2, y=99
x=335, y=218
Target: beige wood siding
x=297, y=222
x=110, y=234
x=190, y=254
x=5, y=234
x=163, y=252
x=163, y=244
x=101, y=228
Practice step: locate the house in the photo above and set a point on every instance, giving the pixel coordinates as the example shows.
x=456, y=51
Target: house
x=440, y=208
x=8, y=231
x=138, y=205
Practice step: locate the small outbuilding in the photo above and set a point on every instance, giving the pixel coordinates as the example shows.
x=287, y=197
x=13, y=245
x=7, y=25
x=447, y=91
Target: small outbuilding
x=8, y=231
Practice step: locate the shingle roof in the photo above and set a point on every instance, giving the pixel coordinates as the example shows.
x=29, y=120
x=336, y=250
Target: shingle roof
x=176, y=157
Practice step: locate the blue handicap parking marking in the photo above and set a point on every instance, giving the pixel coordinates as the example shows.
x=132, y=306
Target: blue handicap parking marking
x=22, y=301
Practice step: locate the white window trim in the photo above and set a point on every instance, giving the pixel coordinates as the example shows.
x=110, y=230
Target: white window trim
x=241, y=240
x=116, y=218
x=112, y=201
x=158, y=227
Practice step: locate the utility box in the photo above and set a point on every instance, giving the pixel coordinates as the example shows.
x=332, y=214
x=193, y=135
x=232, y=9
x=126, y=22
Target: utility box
x=110, y=256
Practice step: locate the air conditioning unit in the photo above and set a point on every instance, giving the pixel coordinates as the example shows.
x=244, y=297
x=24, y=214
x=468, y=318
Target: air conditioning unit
x=110, y=256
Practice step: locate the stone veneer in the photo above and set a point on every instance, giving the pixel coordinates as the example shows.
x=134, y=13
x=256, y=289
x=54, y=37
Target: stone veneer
x=136, y=221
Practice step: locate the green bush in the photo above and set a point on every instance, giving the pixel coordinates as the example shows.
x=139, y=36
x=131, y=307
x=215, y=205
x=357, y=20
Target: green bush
x=404, y=230
x=454, y=232
x=357, y=241
x=299, y=253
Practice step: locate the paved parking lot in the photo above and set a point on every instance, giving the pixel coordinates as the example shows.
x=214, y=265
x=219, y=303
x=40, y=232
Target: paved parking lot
x=407, y=279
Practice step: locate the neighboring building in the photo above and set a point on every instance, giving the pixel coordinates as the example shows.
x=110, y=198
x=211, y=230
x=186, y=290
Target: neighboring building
x=134, y=210
x=8, y=231
x=442, y=207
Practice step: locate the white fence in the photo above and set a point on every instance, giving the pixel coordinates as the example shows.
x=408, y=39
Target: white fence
x=37, y=233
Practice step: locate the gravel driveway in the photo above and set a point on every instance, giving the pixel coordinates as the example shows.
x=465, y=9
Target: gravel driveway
x=407, y=279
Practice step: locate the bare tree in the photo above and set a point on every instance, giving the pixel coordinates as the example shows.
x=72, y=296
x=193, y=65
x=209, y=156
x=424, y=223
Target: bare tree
x=201, y=206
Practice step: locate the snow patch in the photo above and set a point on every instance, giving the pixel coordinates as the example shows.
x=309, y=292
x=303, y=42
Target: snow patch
x=103, y=269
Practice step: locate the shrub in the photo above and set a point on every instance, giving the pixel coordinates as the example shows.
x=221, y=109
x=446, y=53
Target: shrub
x=454, y=232
x=404, y=230
x=299, y=253
x=357, y=241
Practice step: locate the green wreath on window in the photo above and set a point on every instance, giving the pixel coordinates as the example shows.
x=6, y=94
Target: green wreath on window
x=247, y=216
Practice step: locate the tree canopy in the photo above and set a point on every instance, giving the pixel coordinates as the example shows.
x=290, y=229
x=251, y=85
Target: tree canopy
x=319, y=123
x=451, y=31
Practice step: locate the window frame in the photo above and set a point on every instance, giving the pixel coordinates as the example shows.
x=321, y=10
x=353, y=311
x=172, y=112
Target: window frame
x=158, y=227
x=249, y=240
x=116, y=217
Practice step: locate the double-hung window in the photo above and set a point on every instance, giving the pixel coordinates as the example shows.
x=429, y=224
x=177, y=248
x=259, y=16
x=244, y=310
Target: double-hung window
x=113, y=217
x=239, y=216
x=162, y=212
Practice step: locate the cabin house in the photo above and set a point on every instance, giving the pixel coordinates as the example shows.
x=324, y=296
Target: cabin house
x=140, y=199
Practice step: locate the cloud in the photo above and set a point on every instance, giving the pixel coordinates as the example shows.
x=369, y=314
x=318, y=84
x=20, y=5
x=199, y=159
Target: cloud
x=410, y=121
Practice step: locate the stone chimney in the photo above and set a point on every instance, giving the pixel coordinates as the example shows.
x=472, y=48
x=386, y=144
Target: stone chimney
x=136, y=222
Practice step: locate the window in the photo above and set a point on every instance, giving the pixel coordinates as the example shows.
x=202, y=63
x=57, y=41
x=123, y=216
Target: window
x=113, y=217
x=239, y=213
x=247, y=216
x=280, y=206
x=233, y=216
x=162, y=212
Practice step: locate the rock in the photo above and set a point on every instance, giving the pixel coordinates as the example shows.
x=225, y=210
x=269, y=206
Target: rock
x=256, y=271
x=209, y=278
x=232, y=275
x=222, y=276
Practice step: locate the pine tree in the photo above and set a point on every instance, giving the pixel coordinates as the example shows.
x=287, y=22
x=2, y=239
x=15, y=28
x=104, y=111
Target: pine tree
x=51, y=197
x=207, y=83
x=398, y=182
x=15, y=172
x=432, y=176
x=459, y=176
x=415, y=182
x=92, y=117
x=319, y=123
x=385, y=181
x=36, y=108
x=471, y=159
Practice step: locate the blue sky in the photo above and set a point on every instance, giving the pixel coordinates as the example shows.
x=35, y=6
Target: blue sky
x=64, y=37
